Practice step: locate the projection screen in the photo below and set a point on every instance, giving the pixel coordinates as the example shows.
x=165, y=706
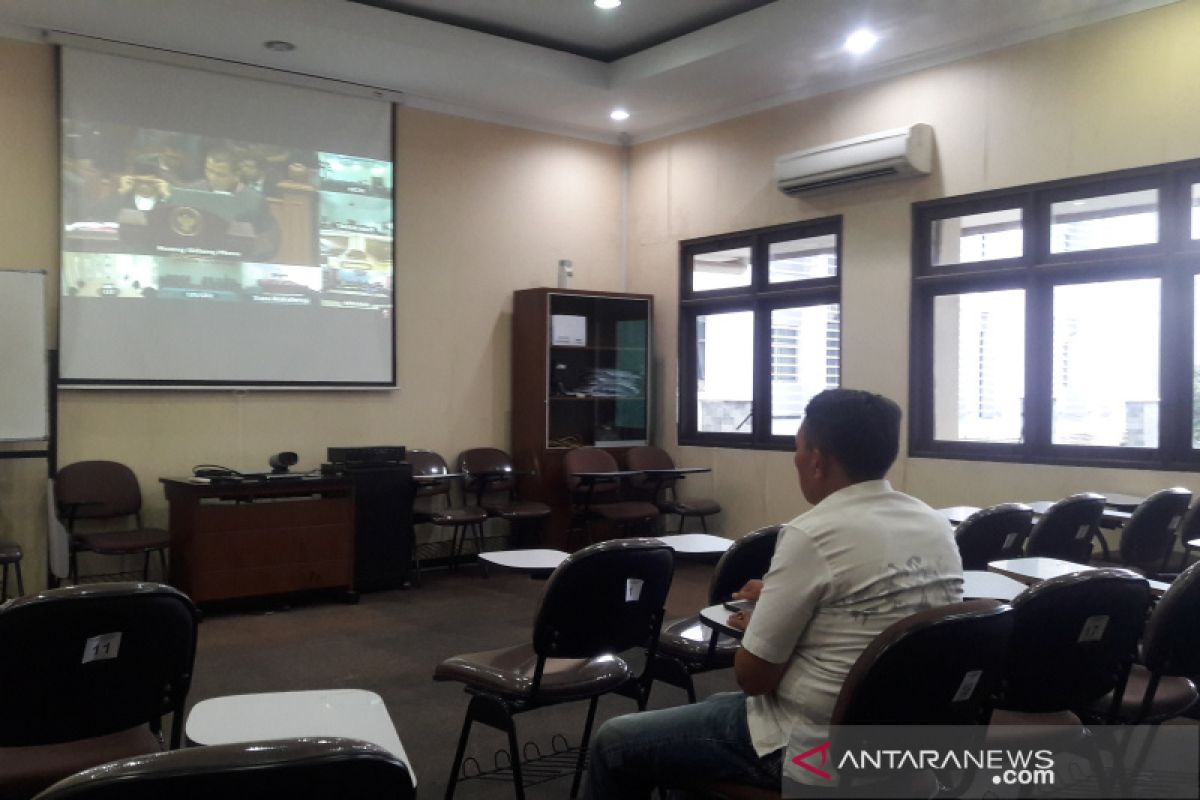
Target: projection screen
x=222, y=231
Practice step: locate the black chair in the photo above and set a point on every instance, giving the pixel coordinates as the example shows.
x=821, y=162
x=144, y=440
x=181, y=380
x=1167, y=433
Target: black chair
x=10, y=555
x=432, y=504
x=1067, y=528
x=106, y=490
x=993, y=533
x=1188, y=531
x=297, y=769
x=491, y=478
x=604, y=599
x=90, y=672
x=939, y=666
x=1148, y=539
x=662, y=491
x=688, y=647
x=600, y=498
x=1073, y=642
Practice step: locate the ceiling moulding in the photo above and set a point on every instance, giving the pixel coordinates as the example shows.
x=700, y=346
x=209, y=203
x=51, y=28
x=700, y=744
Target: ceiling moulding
x=513, y=120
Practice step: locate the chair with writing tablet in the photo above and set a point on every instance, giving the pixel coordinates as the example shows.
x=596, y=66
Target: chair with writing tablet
x=432, y=503
x=1148, y=539
x=993, y=533
x=595, y=485
x=662, y=490
x=90, y=671
x=490, y=478
x=1067, y=529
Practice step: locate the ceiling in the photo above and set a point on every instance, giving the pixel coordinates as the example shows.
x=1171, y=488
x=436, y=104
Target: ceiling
x=674, y=64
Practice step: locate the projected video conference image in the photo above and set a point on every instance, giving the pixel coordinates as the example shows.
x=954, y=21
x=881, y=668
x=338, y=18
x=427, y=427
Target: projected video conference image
x=220, y=230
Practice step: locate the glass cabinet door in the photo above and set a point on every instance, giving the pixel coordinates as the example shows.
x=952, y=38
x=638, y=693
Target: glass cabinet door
x=598, y=371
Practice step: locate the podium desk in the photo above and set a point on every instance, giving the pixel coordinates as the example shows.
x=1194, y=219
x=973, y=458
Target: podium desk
x=234, y=540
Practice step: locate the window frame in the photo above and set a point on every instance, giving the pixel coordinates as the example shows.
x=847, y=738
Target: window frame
x=761, y=298
x=1174, y=260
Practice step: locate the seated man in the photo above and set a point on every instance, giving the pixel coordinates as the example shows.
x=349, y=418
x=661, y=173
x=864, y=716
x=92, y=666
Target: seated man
x=864, y=557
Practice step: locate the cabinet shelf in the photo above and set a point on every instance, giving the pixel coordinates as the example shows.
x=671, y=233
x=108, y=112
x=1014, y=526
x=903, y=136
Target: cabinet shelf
x=596, y=397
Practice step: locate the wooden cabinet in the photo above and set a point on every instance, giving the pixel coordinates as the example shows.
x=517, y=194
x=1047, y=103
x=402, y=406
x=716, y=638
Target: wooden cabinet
x=581, y=376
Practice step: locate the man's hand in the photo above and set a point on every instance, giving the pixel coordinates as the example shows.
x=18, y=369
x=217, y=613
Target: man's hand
x=739, y=620
x=750, y=591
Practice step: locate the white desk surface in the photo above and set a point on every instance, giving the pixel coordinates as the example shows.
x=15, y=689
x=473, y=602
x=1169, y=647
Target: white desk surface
x=716, y=618
x=1119, y=500
x=696, y=543
x=1193, y=543
x=981, y=585
x=1039, y=568
x=349, y=713
x=532, y=560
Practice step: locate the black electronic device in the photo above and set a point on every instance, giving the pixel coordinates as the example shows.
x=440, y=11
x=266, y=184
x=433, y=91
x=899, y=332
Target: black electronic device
x=215, y=471
x=350, y=457
x=281, y=461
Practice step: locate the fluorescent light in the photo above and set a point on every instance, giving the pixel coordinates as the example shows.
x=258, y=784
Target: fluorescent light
x=618, y=115
x=860, y=41
x=606, y=4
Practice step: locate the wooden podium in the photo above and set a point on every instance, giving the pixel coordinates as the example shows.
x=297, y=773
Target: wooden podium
x=260, y=538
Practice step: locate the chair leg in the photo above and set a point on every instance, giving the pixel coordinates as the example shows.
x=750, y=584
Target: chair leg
x=583, y=745
x=458, y=754
x=74, y=568
x=146, y=566
x=479, y=547
x=4, y=589
x=455, y=547
x=518, y=778
x=162, y=564
x=704, y=522
x=20, y=580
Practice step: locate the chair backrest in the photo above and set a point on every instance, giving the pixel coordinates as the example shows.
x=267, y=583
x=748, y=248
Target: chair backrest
x=1149, y=537
x=649, y=457
x=299, y=769
x=938, y=666
x=1171, y=645
x=427, y=462
x=97, y=490
x=1189, y=528
x=1066, y=529
x=95, y=659
x=590, y=459
x=1074, y=639
x=747, y=559
x=490, y=463
x=604, y=598
x=993, y=533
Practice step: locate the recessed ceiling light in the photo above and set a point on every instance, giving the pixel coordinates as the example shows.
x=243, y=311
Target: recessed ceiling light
x=279, y=46
x=606, y=4
x=618, y=115
x=860, y=41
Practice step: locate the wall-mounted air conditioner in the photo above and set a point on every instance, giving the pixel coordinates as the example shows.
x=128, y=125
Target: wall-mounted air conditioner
x=899, y=153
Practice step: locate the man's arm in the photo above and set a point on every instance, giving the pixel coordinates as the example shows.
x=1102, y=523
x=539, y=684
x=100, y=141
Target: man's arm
x=755, y=675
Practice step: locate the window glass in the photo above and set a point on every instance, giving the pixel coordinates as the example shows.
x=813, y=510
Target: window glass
x=979, y=366
x=1196, y=361
x=1196, y=210
x=977, y=237
x=723, y=269
x=801, y=259
x=805, y=360
x=1111, y=220
x=1105, y=364
x=725, y=372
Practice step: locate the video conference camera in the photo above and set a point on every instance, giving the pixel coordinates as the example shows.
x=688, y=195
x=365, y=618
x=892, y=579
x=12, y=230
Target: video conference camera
x=281, y=461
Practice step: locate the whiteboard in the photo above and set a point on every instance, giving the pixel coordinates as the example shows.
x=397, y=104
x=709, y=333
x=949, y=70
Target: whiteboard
x=23, y=374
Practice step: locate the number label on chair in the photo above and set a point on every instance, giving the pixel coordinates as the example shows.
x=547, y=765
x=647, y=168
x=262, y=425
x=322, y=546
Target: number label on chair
x=1082, y=532
x=633, y=589
x=1174, y=523
x=1010, y=540
x=967, y=687
x=1093, y=628
x=102, y=648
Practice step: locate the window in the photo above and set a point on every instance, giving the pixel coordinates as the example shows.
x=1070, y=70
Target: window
x=760, y=332
x=1060, y=323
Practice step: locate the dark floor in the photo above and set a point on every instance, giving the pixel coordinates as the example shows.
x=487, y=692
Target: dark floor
x=390, y=643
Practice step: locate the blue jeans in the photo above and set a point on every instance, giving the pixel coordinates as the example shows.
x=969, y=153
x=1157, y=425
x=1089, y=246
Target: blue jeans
x=692, y=745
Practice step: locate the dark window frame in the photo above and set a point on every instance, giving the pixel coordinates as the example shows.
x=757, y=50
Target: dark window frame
x=761, y=297
x=1174, y=260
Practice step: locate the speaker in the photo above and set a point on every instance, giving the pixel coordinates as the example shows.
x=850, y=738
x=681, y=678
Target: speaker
x=383, y=531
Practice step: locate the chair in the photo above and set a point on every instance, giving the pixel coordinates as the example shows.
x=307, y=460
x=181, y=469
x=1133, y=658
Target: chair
x=661, y=491
x=426, y=507
x=1149, y=537
x=1066, y=529
x=600, y=498
x=993, y=533
x=1188, y=530
x=604, y=599
x=106, y=490
x=10, y=554
x=298, y=769
x=90, y=672
x=1073, y=642
x=939, y=666
x=492, y=479
x=688, y=647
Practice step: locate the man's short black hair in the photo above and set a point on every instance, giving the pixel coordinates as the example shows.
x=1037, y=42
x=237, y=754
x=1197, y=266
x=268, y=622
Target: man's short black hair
x=860, y=430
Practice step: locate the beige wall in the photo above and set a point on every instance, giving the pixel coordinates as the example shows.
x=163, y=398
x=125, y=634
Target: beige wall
x=482, y=210
x=1119, y=94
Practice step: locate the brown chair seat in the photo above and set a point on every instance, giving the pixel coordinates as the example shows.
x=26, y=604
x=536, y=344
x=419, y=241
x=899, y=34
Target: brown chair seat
x=468, y=515
x=688, y=639
x=25, y=771
x=1172, y=698
x=519, y=510
x=626, y=510
x=508, y=671
x=9, y=551
x=699, y=507
x=125, y=542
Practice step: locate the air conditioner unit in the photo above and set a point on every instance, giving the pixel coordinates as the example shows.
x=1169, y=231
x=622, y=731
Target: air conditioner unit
x=899, y=153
